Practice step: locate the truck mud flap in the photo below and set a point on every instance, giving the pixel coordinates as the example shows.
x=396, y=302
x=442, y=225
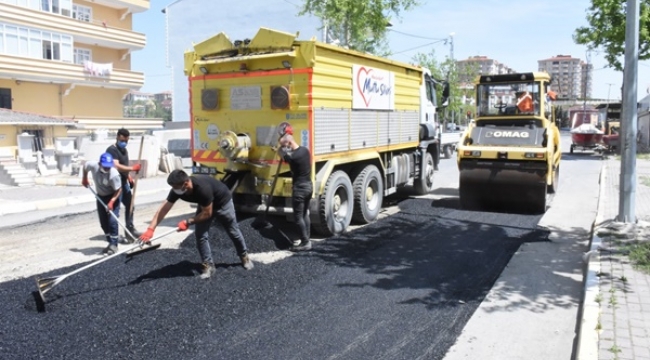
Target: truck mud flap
x=507, y=186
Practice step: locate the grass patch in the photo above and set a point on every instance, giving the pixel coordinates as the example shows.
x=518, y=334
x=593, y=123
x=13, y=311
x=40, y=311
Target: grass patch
x=640, y=256
x=645, y=180
x=643, y=156
x=599, y=326
x=615, y=349
x=599, y=298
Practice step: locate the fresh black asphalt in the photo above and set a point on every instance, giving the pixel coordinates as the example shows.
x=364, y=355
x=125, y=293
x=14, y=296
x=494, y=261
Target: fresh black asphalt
x=401, y=288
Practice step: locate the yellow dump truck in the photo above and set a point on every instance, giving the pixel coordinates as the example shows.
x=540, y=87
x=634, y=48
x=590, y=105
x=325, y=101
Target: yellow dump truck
x=370, y=123
x=509, y=156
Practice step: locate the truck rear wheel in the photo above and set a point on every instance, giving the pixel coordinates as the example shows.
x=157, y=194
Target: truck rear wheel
x=424, y=184
x=335, y=205
x=368, y=195
x=447, y=151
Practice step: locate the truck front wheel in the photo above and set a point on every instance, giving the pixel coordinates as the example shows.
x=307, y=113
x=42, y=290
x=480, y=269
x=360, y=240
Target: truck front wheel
x=424, y=183
x=335, y=206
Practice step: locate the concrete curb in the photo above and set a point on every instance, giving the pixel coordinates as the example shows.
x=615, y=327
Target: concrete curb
x=58, y=182
x=588, y=335
x=21, y=207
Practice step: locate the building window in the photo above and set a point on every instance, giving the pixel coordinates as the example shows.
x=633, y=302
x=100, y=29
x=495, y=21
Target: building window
x=51, y=51
x=22, y=41
x=60, y=7
x=82, y=55
x=34, y=4
x=82, y=13
x=5, y=98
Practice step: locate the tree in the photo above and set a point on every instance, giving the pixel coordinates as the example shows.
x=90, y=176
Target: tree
x=458, y=85
x=606, y=30
x=358, y=24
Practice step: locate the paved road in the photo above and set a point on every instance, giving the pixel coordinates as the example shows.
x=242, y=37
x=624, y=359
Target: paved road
x=427, y=282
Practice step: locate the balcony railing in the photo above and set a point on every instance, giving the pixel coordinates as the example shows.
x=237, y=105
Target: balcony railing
x=99, y=33
x=28, y=69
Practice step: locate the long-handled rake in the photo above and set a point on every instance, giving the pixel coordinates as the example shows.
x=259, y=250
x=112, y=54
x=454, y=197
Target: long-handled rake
x=46, y=284
x=126, y=230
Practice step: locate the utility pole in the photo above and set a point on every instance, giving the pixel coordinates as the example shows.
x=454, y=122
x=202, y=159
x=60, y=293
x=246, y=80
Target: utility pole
x=451, y=69
x=585, y=74
x=627, y=188
x=609, y=88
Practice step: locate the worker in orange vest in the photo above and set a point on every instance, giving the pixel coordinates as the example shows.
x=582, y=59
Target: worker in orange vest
x=525, y=103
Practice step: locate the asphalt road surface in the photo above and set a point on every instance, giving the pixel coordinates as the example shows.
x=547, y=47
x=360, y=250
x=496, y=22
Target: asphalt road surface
x=401, y=288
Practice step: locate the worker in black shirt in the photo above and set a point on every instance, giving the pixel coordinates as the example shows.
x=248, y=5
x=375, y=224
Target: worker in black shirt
x=299, y=160
x=121, y=160
x=214, y=202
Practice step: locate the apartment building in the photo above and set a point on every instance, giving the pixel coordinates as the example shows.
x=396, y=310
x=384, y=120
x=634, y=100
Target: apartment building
x=469, y=68
x=68, y=59
x=142, y=104
x=572, y=77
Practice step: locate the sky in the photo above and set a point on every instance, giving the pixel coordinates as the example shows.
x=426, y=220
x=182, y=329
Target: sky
x=514, y=32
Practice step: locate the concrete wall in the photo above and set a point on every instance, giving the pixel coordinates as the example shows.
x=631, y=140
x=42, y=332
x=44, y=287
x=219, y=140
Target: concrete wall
x=92, y=150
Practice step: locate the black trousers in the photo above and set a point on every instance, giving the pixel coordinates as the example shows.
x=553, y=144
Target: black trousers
x=300, y=199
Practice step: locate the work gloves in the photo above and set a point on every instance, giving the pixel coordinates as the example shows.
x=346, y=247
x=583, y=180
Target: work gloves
x=85, y=182
x=137, y=167
x=183, y=225
x=146, y=237
x=111, y=205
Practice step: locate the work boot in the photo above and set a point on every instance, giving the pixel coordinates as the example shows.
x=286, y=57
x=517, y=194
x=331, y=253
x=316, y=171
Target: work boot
x=207, y=269
x=304, y=246
x=110, y=250
x=136, y=234
x=246, y=262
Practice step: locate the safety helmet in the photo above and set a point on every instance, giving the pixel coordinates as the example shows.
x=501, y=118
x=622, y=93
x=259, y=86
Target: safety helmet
x=106, y=160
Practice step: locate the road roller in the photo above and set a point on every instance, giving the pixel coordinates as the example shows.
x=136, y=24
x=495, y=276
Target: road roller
x=509, y=155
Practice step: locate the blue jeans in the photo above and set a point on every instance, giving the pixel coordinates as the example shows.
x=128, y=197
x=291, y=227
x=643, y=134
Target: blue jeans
x=226, y=216
x=300, y=199
x=126, y=197
x=107, y=222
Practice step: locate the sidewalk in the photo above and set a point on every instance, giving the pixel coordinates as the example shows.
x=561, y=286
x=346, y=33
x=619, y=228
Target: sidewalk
x=60, y=191
x=616, y=312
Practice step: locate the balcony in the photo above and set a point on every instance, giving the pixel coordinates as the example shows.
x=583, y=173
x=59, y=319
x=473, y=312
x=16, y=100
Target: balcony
x=83, y=32
x=56, y=72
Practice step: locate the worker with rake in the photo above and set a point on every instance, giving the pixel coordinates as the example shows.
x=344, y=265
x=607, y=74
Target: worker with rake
x=214, y=202
x=108, y=187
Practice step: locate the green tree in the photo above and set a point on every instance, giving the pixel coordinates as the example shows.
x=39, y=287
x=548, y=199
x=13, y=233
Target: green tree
x=358, y=24
x=161, y=112
x=458, y=86
x=606, y=30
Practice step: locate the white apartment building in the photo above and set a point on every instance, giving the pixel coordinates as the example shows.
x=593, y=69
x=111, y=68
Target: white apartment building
x=572, y=77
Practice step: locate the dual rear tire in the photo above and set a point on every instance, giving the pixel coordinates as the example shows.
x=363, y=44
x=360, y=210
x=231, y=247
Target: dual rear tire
x=344, y=201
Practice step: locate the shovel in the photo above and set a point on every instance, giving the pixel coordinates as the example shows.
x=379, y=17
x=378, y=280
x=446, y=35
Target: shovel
x=46, y=284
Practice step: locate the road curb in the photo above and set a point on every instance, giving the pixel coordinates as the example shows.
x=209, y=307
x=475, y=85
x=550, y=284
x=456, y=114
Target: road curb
x=21, y=207
x=58, y=182
x=588, y=334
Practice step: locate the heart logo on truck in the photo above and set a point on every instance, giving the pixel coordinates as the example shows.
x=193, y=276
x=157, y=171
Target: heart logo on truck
x=361, y=84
